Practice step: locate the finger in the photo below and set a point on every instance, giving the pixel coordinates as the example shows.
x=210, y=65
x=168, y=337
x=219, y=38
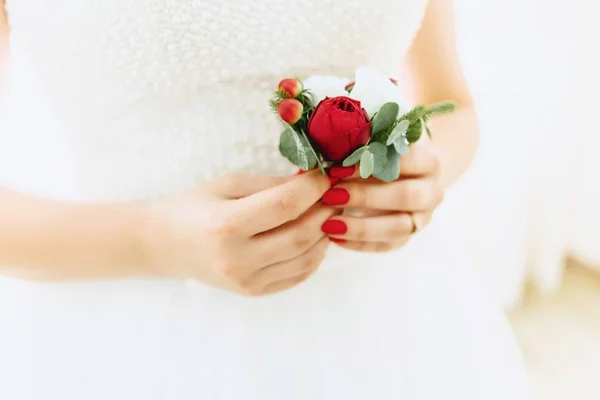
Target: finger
x=383, y=228
x=275, y=206
x=237, y=186
x=292, y=239
x=404, y=195
x=421, y=160
x=373, y=247
x=287, y=284
x=338, y=173
x=306, y=262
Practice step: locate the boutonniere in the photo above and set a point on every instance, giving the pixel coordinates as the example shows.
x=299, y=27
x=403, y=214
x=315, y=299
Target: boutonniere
x=335, y=121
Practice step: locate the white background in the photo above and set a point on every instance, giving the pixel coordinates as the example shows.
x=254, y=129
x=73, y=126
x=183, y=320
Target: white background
x=532, y=192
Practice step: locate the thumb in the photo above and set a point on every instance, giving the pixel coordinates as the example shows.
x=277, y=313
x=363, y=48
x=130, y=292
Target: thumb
x=237, y=186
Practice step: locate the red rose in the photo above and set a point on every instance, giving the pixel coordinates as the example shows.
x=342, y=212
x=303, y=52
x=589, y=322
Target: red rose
x=338, y=126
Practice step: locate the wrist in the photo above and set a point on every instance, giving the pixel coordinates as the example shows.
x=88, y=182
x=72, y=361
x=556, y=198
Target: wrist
x=129, y=250
x=151, y=236
x=455, y=152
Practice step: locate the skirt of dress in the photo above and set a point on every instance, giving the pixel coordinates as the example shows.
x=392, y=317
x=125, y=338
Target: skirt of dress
x=410, y=325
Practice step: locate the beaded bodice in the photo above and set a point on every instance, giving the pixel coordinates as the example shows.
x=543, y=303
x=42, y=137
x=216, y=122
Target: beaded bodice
x=150, y=96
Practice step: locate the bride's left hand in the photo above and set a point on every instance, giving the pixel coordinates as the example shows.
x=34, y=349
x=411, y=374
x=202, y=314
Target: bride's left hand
x=398, y=209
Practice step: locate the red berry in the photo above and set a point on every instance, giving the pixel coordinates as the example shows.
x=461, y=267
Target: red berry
x=290, y=110
x=291, y=87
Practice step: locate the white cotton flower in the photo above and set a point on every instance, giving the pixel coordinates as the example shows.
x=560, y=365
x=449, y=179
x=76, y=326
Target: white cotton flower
x=320, y=87
x=373, y=89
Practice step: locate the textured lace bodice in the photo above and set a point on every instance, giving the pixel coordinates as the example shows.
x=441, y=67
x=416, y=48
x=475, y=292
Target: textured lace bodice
x=150, y=96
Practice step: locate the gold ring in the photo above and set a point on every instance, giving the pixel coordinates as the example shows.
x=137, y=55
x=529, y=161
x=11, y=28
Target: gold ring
x=416, y=228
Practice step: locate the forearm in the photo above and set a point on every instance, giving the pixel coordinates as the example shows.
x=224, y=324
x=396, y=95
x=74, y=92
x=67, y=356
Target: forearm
x=435, y=74
x=48, y=240
x=456, y=138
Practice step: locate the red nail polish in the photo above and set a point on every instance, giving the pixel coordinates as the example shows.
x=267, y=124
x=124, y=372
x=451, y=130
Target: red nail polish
x=340, y=172
x=334, y=227
x=333, y=181
x=336, y=197
x=300, y=172
x=335, y=240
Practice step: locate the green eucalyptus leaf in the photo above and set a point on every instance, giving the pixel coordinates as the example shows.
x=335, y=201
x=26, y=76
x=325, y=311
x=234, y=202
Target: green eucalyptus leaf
x=401, y=146
x=384, y=118
x=377, y=149
x=398, y=132
x=318, y=158
x=414, y=131
x=287, y=146
x=379, y=152
x=366, y=164
x=301, y=154
x=428, y=131
x=354, y=157
x=391, y=172
x=296, y=149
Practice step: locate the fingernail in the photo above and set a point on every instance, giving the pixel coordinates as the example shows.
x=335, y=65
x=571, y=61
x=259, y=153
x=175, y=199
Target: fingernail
x=335, y=240
x=334, y=227
x=300, y=172
x=333, y=181
x=336, y=197
x=340, y=172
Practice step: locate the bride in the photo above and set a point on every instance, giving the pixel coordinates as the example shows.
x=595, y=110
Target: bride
x=155, y=245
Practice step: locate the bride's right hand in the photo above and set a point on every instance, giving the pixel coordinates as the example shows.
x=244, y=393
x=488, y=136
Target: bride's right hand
x=246, y=234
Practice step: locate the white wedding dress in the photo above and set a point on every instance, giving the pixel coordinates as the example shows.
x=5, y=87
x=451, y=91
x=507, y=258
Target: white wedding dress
x=136, y=99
